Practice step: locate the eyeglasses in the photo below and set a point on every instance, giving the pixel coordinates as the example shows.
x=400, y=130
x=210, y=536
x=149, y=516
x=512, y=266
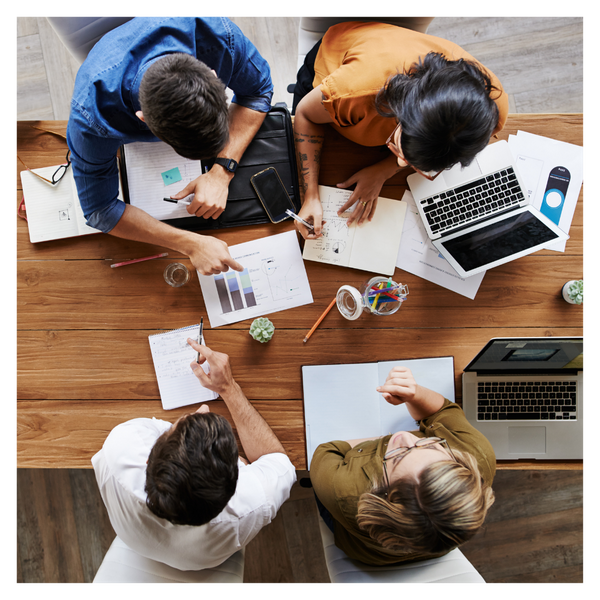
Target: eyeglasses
x=397, y=454
x=431, y=175
x=61, y=171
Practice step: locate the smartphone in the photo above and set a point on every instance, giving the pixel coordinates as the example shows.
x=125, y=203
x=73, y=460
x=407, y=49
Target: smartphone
x=272, y=194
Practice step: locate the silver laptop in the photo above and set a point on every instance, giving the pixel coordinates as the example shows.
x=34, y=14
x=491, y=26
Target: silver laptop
x=526, y=396
x=479, y=217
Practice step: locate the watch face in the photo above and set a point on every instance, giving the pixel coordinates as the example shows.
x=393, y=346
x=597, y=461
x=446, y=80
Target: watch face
x=228, y=163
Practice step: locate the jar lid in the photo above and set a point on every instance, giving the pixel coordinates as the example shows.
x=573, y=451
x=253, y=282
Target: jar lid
x=349, y=302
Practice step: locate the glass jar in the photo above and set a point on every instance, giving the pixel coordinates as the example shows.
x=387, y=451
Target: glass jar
x=379, y=296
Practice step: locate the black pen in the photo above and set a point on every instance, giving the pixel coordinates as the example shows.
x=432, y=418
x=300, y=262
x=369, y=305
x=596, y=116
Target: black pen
x=200, y=338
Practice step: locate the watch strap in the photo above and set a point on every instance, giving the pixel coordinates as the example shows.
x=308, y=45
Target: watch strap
x=227, y=163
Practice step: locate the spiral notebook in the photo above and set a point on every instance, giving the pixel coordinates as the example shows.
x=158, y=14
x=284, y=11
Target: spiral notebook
x=172, y=355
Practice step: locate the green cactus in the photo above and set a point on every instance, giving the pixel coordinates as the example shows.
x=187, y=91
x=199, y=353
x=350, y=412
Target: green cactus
x=262, y=330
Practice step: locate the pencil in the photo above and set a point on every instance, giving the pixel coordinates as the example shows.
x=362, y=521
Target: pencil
x=320, y=319
x=137, y=260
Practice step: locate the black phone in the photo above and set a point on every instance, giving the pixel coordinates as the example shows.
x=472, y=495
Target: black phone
x=272, y=194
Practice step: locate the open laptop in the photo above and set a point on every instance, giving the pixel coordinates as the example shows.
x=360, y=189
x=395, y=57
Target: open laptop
x=526, y=396
x=479, y=217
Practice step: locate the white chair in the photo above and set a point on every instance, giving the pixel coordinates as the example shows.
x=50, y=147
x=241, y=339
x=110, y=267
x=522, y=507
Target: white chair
x=450, y=568
x=80, y=34
x=122, y=565
x=312, y=29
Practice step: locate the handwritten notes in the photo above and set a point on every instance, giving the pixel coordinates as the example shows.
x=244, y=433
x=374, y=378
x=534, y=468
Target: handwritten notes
x=372, y=246
x=172, y=356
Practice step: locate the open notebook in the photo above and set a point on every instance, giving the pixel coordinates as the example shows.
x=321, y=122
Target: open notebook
x=54, y=211
x=372, y=246
x=172, y=356
x=341, y=402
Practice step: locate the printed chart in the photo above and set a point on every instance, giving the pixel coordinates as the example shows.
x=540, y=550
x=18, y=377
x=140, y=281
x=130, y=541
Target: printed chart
x=274, y=278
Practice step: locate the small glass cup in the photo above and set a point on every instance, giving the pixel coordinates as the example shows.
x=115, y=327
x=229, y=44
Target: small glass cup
x=176, y=274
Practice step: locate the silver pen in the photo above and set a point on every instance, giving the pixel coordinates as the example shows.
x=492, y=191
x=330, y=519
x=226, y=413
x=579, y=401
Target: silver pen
x=200, y=337
x=299, y=219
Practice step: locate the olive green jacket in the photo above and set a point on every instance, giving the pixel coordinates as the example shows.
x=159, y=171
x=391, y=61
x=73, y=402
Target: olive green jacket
x=340, y=474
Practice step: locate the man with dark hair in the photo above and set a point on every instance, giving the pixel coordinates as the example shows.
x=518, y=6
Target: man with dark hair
x=165, y=78
x=179, y=493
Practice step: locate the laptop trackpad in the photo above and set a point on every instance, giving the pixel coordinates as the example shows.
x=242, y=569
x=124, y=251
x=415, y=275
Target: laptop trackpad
x=529, y=440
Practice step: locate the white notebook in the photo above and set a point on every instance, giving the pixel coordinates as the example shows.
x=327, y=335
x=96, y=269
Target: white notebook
x=53, y=211
x=172, y=355
x=341, y=401
x=372, y=246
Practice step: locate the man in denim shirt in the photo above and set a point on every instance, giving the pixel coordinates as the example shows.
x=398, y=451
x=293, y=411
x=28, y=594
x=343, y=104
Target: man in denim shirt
x=165, y=78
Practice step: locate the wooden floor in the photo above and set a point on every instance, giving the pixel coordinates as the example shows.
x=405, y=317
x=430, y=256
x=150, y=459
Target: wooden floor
x=534, y=532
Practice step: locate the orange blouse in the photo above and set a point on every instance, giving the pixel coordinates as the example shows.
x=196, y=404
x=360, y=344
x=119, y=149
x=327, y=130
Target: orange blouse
x=356, y=59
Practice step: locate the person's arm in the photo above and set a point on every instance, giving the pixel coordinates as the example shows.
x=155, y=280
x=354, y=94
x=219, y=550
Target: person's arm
x=211, y=189
x=208, y=254
x=400, y=387
x=256, y=436
x=309, y=134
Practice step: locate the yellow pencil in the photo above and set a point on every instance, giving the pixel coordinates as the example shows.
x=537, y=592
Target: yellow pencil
x=320, y=319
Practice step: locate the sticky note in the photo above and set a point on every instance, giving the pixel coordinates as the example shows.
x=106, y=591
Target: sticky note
x=171, y=176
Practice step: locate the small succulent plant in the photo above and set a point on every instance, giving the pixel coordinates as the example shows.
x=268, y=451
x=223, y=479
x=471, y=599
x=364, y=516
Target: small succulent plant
x=575, y=292
x=262, y=330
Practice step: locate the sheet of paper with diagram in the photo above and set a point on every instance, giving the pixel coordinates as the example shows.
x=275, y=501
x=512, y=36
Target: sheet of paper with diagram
x=154, y=171
x=274, y=278
x=372, y=246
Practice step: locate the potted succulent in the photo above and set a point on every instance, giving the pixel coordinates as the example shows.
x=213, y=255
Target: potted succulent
x=572, y=291
x=262, y=330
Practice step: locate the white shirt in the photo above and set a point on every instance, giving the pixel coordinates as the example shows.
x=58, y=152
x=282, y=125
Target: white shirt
x=120, y=468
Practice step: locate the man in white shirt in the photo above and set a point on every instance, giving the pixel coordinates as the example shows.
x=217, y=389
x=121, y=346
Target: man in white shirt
x=180, y=494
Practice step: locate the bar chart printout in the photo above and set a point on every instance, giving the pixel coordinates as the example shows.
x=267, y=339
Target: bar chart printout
x=239, y=286
x=273, y=279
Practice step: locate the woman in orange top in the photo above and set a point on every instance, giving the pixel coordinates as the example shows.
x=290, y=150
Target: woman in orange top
x=430, y=101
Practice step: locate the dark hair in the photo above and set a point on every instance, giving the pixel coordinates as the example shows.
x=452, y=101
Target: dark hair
x=185, y=105
x=445, y=111
x=192, y=470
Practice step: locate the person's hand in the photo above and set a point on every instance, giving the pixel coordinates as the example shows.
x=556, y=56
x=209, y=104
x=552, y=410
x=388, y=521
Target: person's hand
x=219, y=379
x=311, y=212
x=210, y=193
x=399, y=387
x=210, y=256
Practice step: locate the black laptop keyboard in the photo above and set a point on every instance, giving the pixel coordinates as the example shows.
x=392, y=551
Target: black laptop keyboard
x=466, y=203
x=526, y=400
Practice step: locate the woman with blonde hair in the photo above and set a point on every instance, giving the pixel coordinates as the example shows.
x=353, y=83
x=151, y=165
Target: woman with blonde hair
x=411, y=495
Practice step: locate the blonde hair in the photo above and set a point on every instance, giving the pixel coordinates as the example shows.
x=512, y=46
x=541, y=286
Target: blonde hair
x=439, y=512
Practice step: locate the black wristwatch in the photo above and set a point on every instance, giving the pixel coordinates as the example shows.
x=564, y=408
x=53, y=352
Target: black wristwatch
x=228, y=163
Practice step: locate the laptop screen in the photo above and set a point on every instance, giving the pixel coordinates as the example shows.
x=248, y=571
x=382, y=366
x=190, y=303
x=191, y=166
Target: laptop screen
x=498, y=240
x=529, y=354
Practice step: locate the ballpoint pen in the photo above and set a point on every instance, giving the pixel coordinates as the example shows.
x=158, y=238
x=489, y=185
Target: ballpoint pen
x=184, y=201
x=200, y=337
x=299, y=219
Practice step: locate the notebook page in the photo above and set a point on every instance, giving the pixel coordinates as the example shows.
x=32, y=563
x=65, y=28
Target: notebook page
x=155, y=171
x=172, y=355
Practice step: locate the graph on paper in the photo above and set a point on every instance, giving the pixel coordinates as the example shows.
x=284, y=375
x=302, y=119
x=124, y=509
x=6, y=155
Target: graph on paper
x=273, y=279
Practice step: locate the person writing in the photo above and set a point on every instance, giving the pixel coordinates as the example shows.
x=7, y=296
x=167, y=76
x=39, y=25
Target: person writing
x=408, y=495
x=179, y=493
x=164, y=79
x=376, y=84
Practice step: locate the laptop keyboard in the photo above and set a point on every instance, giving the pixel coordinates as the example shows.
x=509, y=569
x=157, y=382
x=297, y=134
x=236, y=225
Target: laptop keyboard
x=526, y=400
x=487, y=196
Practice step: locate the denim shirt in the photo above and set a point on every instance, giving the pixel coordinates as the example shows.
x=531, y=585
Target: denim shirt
x=105, y=97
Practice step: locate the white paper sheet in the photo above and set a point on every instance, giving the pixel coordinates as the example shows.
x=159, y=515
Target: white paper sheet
x=145, y=164
x=172, y=355
x=372, y=246
x=536, y=156
x=417, y=255
x=274, y=279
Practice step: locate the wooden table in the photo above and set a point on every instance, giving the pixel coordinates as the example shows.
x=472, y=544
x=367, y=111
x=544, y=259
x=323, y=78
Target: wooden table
x=84, y=362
